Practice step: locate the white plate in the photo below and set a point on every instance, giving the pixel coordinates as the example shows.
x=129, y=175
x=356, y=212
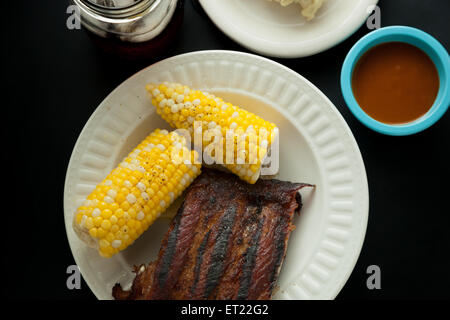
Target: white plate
x=270, y=29
x=316, y=146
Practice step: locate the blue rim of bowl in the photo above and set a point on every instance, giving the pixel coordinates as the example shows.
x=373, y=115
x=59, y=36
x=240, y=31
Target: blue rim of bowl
x=423, y=41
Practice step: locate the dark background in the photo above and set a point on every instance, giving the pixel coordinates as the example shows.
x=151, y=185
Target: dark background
x=54, y=78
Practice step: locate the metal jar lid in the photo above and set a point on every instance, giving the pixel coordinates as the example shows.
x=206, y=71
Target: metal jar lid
x=128, y=20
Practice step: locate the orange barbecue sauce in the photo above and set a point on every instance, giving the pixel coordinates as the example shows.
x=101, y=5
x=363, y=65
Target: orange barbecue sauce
x=395, y=83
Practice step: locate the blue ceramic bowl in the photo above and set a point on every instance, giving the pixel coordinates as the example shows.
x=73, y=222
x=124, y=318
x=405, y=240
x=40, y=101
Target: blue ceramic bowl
x=427, y=44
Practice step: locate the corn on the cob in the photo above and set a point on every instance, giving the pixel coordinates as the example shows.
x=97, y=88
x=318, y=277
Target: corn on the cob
x=252, y=136
x=135, y=193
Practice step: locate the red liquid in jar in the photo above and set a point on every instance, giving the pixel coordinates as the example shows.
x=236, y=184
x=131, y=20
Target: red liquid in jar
x=147, y=49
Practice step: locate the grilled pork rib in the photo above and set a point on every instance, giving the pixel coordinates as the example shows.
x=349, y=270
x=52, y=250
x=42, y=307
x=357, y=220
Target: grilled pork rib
x=227, y=241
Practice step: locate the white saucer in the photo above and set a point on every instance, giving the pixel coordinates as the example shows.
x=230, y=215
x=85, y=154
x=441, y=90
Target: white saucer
x=267, y=28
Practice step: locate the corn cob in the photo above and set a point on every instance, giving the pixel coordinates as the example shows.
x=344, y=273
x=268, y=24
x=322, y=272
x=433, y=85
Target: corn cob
x=181, y=107
x=135, y=193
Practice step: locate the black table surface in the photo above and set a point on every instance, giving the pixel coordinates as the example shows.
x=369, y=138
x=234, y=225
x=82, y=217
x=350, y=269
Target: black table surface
x=55, y=78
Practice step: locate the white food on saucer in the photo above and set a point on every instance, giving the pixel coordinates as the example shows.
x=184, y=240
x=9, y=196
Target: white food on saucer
x=309, y=7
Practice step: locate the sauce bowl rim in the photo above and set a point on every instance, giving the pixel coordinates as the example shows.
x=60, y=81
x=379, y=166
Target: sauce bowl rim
x=434, y=50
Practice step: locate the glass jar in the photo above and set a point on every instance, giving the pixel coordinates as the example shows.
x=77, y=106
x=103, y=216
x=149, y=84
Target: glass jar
x=132, y=28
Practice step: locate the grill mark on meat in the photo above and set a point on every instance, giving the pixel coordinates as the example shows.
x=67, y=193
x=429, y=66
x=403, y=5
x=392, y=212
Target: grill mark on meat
x=173, y=261
x=213, y=227
x=184, y=282
x=250, y=258
x=199, y=260
x=264, y=256
x=279, y=249
x=234, y=262
x=220, y=250
x=166, y=260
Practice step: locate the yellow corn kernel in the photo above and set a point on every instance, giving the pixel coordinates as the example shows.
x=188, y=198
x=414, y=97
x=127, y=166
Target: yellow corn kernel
x=93, y=232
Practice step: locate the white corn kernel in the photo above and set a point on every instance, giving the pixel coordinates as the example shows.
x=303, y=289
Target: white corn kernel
x=131, y=198
x=96, y=212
